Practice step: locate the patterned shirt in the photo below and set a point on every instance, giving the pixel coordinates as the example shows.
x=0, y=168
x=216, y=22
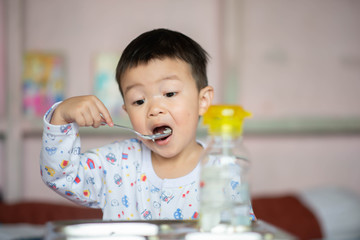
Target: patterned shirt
x=118, y=178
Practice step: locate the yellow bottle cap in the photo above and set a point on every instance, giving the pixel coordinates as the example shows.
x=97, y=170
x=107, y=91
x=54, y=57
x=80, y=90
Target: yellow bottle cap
x=225, y=119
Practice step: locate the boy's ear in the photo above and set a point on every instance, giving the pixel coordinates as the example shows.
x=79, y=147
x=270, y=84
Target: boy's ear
x=205, y=99
x=123, y=107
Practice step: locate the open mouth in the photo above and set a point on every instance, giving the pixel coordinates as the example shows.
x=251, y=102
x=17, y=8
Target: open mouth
x=161, y=130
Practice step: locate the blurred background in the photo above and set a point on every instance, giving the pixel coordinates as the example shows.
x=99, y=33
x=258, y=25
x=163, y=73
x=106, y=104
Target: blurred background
x=294, y=64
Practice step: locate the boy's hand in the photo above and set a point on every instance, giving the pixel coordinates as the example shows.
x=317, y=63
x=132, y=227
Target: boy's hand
x=84, y=110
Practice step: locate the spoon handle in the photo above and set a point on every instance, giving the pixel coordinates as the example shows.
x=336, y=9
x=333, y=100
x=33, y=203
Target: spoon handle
x=149, y=137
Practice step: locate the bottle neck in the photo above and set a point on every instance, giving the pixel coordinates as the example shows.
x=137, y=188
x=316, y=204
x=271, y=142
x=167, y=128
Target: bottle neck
x=225, y=144
x=226, y=137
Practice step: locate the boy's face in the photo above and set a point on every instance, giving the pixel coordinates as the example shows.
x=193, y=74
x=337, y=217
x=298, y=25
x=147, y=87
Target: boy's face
x=163, y=93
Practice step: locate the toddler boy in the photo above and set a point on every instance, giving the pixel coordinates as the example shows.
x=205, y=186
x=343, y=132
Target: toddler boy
x=162, y=79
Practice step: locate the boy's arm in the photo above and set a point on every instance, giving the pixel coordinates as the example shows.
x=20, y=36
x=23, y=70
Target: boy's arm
x=84, y=110
x=64, y=167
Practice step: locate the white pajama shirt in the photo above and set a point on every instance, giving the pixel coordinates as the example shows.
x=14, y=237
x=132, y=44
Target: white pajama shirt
x=118, y=178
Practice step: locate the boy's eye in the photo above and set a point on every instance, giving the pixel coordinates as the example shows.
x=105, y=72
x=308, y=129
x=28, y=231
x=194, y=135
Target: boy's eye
x=139, y=102
x=170, y=94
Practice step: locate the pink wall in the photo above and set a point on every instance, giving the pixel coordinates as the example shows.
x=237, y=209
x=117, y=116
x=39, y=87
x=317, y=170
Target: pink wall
x=2, y=57
x=301, y=59
x=81, y=32
x=2, y=88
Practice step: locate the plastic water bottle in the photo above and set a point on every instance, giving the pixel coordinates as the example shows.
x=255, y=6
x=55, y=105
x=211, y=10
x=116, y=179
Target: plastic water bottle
x=225, y=199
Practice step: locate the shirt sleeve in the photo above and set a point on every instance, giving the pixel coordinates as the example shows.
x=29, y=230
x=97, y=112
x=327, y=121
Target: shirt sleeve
x=65, y=169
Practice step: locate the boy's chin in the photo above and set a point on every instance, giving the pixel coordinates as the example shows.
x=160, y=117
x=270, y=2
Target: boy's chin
x=162, y=153
x=163, y=156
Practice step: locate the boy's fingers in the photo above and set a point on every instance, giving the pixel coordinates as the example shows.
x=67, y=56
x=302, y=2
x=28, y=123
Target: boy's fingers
x=88, y=120
x=105, y=114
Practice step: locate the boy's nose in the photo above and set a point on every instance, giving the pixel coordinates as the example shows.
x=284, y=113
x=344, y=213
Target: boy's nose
x=155, y=109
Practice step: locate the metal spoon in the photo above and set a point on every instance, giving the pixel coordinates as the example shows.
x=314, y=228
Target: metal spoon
x=152, y=137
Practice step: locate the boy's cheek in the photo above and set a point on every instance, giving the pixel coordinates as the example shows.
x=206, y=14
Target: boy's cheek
x=136, y=120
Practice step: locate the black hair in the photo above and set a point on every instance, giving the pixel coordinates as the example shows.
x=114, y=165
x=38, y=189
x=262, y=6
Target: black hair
x=160, y=44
